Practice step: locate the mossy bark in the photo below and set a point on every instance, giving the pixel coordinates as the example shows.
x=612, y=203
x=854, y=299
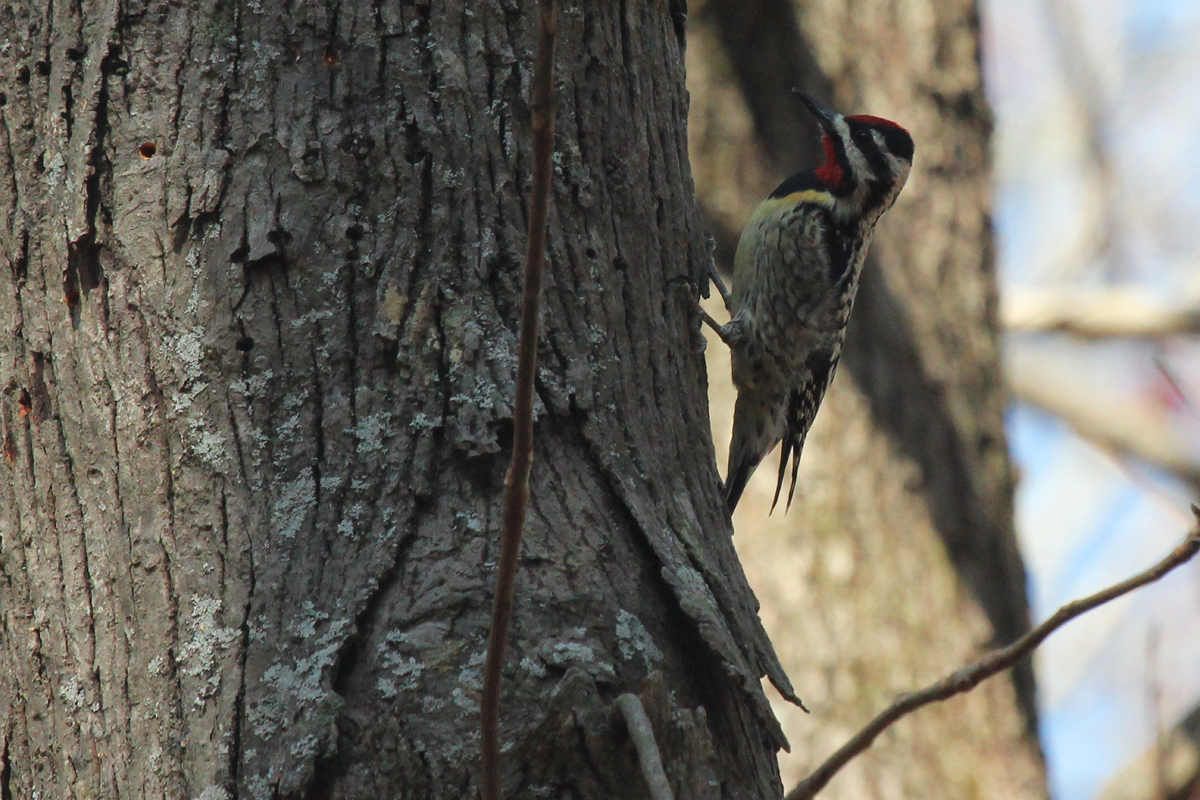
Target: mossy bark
x=259, y=278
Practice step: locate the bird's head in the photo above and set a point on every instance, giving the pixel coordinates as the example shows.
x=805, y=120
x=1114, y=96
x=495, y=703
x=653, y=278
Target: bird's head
x=867, y=159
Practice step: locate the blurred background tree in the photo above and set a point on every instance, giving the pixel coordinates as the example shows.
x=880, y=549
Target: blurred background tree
x=898, y=560
x=1094, y=186
x=1096, y=206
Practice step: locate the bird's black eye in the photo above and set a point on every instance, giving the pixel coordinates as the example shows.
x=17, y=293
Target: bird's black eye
x=863, y=136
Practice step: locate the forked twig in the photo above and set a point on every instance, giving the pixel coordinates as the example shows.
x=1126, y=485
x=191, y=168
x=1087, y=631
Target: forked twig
x=970, y=676
x=516, y=483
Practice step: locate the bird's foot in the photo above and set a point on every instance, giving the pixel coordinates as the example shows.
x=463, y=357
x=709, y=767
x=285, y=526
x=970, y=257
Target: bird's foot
x=715, y=275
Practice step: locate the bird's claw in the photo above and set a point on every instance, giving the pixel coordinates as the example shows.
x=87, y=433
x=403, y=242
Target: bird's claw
x=715, y=275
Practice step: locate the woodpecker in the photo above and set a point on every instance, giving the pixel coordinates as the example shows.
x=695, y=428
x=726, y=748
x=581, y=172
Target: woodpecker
x=795, y=275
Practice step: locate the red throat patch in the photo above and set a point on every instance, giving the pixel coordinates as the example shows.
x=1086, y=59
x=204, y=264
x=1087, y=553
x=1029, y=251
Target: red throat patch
x=830, y=173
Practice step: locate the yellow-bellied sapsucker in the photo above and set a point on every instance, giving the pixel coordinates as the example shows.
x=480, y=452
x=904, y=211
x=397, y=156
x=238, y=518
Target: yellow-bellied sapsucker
x=794, y=280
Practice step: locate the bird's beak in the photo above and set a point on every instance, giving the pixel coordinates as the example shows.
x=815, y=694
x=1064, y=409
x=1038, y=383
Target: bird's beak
x=824, y=116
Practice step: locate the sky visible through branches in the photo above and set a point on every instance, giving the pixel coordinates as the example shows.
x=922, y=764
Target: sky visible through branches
x=1097, y=108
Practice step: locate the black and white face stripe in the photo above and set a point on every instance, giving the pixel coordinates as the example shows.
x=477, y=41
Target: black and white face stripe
x=867, y=160
x=877, y=142
x=892, y=139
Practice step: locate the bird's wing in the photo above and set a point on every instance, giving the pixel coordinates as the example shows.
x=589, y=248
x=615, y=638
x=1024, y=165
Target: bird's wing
x=803, y=403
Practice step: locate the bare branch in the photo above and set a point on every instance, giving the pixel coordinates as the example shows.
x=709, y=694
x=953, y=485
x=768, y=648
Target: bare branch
x=1169, y=768
x=647, y=749
x=516, y=483
x=1084, y=81
x=1098, y=313
x=1062, y=384
x=970, y=676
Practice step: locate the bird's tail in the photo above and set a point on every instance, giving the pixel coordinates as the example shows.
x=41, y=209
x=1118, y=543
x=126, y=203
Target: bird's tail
x=735, y=483
x=757, y=428
x=793, y=445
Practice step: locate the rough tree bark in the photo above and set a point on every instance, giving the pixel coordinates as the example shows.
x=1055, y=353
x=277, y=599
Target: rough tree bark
x=898, y=561
x=258, y=295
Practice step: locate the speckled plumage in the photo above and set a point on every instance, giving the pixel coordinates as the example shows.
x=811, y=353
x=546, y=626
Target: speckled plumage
x=795, y=277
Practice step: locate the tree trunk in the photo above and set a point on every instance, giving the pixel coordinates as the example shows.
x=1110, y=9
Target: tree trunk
x=259, y=292
x=898, y=561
